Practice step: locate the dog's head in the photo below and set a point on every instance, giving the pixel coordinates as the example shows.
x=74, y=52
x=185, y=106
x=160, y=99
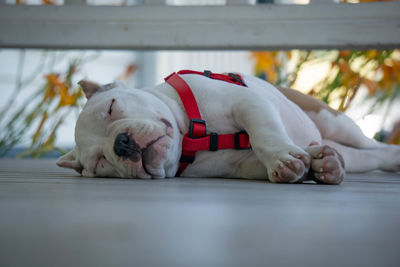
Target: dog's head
x=123, y=132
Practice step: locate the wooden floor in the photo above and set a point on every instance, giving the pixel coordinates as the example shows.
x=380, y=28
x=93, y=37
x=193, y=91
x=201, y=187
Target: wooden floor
x=51, y=217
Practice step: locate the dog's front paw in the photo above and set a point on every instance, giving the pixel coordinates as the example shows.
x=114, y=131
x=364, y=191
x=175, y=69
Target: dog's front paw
x=289, y=166
x=326, y=163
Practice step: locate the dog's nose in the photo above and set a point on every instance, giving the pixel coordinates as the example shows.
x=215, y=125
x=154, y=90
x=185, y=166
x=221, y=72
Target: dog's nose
x=126, y=147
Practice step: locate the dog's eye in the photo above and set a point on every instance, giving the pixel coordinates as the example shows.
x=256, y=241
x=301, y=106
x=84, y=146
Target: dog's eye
x=110, y=108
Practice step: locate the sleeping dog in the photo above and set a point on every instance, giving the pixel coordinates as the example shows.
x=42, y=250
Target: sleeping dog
x=216, y=125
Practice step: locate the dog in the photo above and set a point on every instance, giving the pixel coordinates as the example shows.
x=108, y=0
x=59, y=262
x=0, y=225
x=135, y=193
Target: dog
x=140, y=133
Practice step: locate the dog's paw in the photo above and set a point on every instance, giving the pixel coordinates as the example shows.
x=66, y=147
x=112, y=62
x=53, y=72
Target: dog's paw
x=391, y=163
x=327, y=165
x=289, y=166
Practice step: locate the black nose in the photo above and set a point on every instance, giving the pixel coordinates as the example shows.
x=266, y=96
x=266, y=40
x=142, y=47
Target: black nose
x=126, y=147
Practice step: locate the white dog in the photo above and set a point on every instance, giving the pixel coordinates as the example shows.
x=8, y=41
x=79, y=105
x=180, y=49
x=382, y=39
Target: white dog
x=144, y=133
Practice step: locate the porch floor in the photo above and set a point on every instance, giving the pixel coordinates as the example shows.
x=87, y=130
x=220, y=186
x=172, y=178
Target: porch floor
x=52, y=217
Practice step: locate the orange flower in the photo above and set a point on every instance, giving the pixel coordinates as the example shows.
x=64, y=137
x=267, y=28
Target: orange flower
x=48, y=2
x=344, y=66
x=371, y=54
x=67, y=99
x=267, y=62
x=372, y=86
x=396, y=68
x=344, y=53
x=53, y=86
x=388, y=78
x=56, y=87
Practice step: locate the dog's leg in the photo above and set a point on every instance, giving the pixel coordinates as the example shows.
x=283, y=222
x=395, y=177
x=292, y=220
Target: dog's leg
x=285, y=161
x=333, y=125
x=386, y=157
x=342, y=129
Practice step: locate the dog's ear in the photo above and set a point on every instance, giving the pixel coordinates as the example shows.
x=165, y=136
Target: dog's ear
x=90, y=88
x=70, y=161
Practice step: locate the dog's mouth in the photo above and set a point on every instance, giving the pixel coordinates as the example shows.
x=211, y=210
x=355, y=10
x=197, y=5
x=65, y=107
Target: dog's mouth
x=137, y=170
x=145, y=169
x=142, y=161
x=141, y=147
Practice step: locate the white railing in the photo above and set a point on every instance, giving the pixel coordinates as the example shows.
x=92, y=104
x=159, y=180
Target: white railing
x=155, y=25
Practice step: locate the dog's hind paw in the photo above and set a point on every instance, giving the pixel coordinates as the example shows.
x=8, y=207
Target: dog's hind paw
x=391, y=163
x=327, y=165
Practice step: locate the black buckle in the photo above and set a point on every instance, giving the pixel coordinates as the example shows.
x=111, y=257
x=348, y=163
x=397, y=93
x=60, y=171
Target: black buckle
x=207, y=73
x=192, y=121
x=186, y=159
x=237, y=78
x=237, y=140
x=213, y=142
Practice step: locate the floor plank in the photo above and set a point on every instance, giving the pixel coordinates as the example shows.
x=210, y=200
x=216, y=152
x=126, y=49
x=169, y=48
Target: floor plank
x=52, y=217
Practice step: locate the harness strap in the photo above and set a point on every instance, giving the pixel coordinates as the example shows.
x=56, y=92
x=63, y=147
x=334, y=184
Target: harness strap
x=214, y=142
x=197, y=139
x=230, y=78
x=197, y=127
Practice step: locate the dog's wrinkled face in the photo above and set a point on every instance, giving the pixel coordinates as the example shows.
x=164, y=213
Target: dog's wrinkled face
x=123, y=132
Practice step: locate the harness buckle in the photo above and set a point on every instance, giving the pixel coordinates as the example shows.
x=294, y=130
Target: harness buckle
x=237, y=141
x=213, y=141
x=192, y=125
x=207, y=73
x=237, y=78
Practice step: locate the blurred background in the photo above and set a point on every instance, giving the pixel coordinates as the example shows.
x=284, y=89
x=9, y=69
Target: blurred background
x=40, y=99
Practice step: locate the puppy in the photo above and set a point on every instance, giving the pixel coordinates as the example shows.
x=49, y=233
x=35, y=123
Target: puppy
x=248, y=129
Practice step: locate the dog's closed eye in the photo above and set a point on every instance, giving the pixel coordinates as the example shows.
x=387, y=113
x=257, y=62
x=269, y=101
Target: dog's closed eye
x=111, y=106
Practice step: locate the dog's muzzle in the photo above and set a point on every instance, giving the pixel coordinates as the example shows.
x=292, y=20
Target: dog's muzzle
x=126, y=147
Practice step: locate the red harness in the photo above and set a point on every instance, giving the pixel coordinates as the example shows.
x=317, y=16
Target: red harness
x=197, y=138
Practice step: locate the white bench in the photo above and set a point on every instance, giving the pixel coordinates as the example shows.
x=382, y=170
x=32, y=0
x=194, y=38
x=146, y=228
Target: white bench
x=237, y=25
